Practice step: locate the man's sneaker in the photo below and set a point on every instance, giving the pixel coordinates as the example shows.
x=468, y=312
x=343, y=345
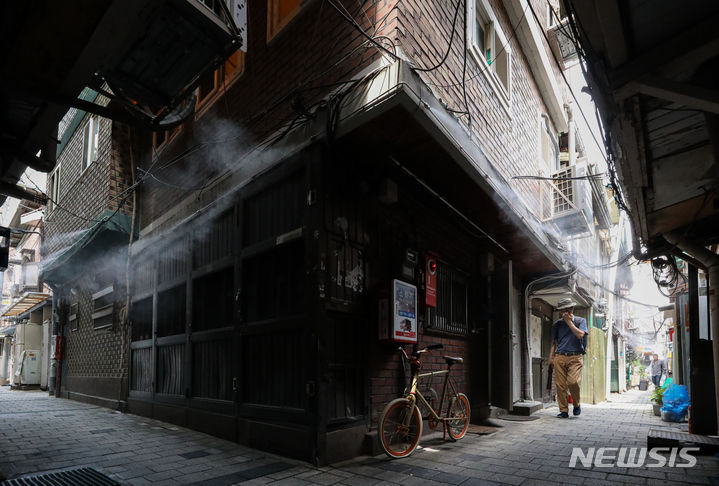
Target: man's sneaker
x=563, y=415
x=577, y=410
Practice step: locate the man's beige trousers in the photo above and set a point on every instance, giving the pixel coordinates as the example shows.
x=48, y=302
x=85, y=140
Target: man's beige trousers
x=567, y=373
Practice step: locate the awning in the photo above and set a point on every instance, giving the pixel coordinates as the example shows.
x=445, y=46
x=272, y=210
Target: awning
x=26, y=302
x=7, y=331
x=111, y=230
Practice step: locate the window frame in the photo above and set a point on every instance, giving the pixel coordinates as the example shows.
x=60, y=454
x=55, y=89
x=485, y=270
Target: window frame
x=451, y=327
x=494, y=39
x=275, y=25
x=545, y=131
x=221, y=84
x=103, y=305
x=90, y=142
x=54, y=187
x=73, y=317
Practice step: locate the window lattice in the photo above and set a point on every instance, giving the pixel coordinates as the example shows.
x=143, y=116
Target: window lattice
x=452, y=311
x=564, y=192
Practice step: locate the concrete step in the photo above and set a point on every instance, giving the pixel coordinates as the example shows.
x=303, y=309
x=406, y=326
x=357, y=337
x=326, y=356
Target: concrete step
x=526, y=408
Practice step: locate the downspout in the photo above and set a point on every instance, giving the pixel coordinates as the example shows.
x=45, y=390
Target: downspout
x=610, y=315
x=125, y=321
x=710, y=261
x=571, y=137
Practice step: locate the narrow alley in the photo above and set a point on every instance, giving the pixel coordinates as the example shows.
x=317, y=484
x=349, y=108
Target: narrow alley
x=40, y=434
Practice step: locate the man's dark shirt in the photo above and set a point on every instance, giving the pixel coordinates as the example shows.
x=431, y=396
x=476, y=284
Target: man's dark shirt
x=567, y=342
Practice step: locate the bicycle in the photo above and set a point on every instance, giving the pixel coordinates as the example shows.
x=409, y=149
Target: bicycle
x=400, y=425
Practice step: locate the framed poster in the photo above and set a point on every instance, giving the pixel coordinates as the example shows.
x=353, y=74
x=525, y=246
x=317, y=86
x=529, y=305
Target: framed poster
x=404, y=316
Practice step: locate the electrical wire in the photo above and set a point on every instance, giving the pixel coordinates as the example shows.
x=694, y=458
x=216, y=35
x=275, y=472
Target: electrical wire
x=451, y=40
x=488, y=65
x=540, y=178
x=359, y=29
x=609, y=157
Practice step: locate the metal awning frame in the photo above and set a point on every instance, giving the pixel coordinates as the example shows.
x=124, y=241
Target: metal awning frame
x=26, y=303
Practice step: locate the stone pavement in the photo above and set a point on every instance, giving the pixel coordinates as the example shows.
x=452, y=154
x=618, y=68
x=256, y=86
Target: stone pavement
x=41, y=433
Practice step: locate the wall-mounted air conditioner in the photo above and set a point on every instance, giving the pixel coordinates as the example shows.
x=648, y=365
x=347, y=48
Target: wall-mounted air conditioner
x=572, y=199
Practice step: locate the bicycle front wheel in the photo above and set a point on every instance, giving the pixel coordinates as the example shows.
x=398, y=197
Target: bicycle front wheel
x=458, y=417
x=400, y=428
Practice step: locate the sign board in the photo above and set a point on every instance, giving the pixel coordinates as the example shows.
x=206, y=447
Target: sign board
x=404, y=314
x=430, y=285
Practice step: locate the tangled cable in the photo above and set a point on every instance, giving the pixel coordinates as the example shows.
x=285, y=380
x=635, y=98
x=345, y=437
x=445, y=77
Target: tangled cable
x=666, y=274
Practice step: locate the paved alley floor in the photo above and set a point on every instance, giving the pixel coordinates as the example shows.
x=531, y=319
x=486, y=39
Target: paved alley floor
x=41, y=433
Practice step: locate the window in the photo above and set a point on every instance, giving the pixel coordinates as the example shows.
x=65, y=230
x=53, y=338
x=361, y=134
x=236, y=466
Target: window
x=103, y=308
x=74, y=316
x=159, y=138
x=213, y=298
x=141, y=317
x=280, y=13
x=212, y=83
x=171, y=314
x=274, y=283
x=54, y=188
x=549, y=146
x=451, y=314
x=91, y=138
x=554, y=9
x=490, y=49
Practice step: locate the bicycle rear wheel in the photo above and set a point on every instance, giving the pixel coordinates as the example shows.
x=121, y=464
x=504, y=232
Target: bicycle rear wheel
x=400, y=428
x=458, y=416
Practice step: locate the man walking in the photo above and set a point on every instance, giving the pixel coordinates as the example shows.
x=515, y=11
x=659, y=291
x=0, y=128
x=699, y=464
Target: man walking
x=657, y=369
x=569, y=340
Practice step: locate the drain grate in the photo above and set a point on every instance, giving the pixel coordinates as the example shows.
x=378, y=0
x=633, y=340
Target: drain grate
x=75, y=477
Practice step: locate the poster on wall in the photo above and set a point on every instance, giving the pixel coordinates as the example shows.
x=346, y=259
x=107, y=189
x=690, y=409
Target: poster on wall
x=405, y=312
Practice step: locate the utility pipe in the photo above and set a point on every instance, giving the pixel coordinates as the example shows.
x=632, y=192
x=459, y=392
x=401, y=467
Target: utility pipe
x=571, y=137
x=710, y=261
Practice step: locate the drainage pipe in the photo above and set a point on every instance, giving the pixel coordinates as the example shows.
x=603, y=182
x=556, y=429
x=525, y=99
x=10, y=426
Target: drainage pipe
x=710, y=261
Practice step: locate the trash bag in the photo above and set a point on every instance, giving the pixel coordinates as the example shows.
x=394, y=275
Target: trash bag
x=667, y=382
x=676, y=403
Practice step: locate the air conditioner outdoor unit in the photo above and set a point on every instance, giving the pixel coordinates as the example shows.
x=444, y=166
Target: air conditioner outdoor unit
x=572, y=200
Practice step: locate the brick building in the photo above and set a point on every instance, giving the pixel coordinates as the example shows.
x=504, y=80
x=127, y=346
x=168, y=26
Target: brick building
x=342, y=148
x=87, y=231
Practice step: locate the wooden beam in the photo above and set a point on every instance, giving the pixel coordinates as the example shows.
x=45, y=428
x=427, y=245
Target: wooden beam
x=679, y=215
x=686, y=94
x=630, y=166
x=615, y=45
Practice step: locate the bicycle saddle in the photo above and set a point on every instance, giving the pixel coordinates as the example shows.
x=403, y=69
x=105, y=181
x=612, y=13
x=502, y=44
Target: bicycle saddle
x=453, y=359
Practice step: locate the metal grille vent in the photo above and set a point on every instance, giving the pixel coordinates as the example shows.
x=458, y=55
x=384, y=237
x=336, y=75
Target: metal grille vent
x=564, y=193
x=76, y=477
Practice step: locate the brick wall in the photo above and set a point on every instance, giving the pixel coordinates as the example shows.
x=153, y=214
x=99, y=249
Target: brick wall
x=510, y=138
x=84, y=195
x=319, y=48
x=96, y=353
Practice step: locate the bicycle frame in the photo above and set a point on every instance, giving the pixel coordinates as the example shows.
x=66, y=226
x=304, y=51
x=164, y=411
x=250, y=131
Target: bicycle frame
x=415, y=394
x=400, y=426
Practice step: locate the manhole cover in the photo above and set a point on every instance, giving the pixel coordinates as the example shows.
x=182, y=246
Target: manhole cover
x=75, y=477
